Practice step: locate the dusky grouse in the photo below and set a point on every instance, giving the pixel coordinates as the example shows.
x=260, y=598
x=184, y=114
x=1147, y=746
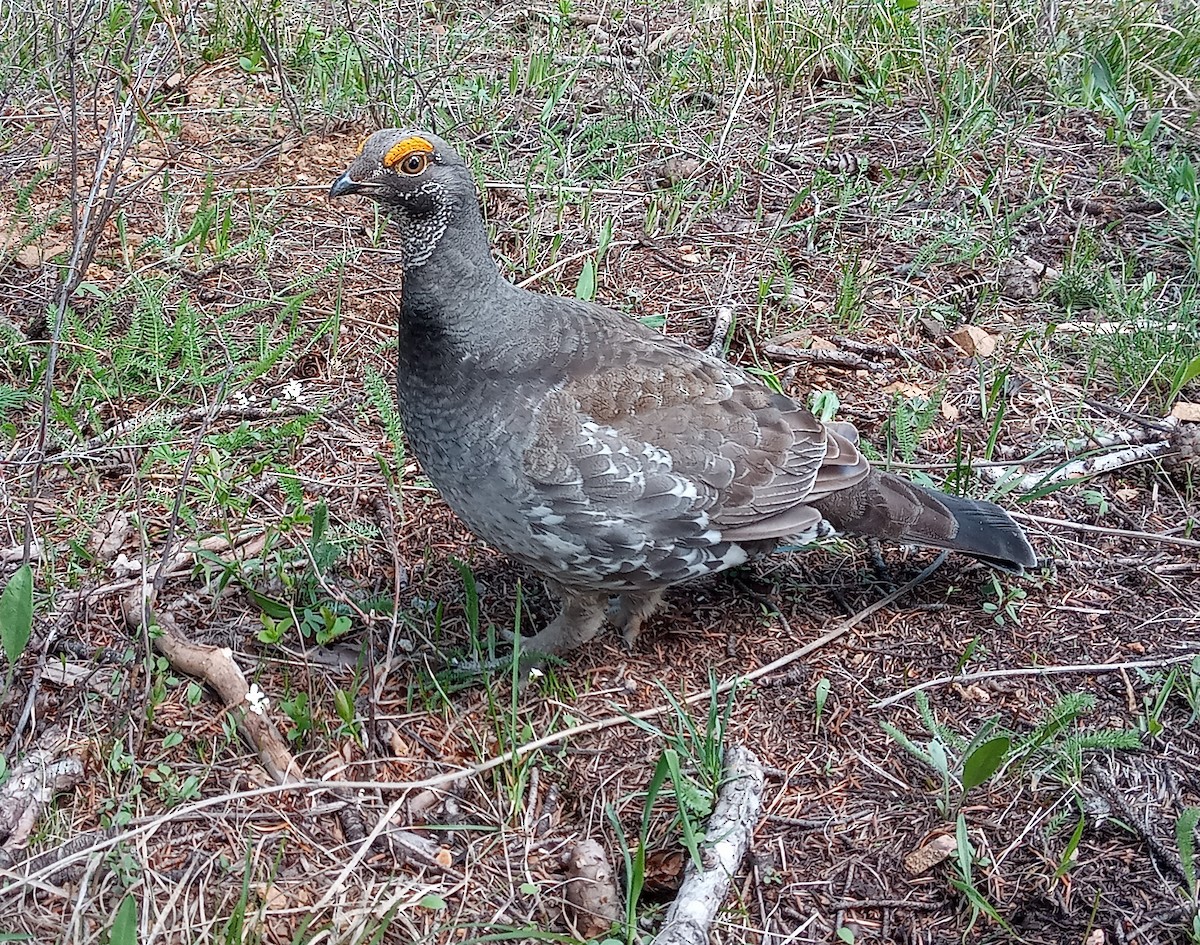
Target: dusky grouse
x=607, y=457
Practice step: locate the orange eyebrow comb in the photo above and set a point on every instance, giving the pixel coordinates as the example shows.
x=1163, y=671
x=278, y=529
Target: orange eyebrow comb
x=398, y=152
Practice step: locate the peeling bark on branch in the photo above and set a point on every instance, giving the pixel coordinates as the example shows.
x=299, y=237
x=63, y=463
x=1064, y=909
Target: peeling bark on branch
x=40, y=775
x=727, y=840
x=1173, y=441
x=846, y=360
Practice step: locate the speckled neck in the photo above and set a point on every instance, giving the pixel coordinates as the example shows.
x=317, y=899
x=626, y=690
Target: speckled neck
x=451, y=285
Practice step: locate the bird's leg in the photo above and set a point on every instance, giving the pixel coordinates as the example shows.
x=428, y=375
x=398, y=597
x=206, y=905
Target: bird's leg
x=632, y=612
x=580, y=619
x=878, y=564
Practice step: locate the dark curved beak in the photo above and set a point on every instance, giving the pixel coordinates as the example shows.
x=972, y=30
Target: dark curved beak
x=345, y=185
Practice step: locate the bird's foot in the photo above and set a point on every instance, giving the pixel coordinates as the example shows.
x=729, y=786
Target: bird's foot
x=632, y=611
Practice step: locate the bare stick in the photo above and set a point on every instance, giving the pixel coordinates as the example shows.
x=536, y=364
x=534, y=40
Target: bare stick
x=134, y=423
x=1101, y=530
x=1145, y=431
x=727, y=838
x=216, y=667
x=1034, y=671
x=566, y=261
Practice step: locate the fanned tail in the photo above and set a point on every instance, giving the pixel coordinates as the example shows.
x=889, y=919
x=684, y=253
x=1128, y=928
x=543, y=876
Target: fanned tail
x=888, y=507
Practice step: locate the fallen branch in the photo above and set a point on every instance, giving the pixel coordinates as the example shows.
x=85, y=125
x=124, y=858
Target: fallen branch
x=878, y=349
x=1077, y=468
x=1166, y=439
x=1146, y=431
x=246, y=412
x=212, y=664
x=47, y=770
x=404, y=846
x=846, y=360
x=245, y=545
x=727, y=838
x=215, y=666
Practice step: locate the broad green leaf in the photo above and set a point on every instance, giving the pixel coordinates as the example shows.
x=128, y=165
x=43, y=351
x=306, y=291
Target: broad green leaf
x=585, y=288
x=124, y=927
x=984, y=761
x=822, y=694
x=16, y=613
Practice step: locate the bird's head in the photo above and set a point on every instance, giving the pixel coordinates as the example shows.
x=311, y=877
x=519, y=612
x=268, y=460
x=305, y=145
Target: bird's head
x=418, y=179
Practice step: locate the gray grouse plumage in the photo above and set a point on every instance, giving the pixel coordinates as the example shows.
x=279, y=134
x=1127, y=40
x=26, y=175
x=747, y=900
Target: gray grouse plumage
x=607, y=457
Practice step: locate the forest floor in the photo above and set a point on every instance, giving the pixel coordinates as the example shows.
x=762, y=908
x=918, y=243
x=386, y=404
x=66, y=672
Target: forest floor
x=992, y=233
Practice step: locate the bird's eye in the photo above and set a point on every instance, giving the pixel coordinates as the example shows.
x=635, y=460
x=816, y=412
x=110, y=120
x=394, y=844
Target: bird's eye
x=414, y=163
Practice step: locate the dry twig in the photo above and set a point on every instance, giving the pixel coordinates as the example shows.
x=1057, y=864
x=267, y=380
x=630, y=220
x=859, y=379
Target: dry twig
x=1033, y=671
x=216, y=667
x=1140, y=451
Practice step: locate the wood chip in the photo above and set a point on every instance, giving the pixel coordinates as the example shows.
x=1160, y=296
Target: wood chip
x=905, y=389
x=927, y=857
x=1186, y=411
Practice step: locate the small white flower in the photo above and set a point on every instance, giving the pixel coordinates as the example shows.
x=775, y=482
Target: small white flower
x=535, y=673
x=257, y=700
x=292, y=390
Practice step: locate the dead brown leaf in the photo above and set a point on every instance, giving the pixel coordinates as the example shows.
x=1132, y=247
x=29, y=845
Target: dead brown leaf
x=973, y=340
